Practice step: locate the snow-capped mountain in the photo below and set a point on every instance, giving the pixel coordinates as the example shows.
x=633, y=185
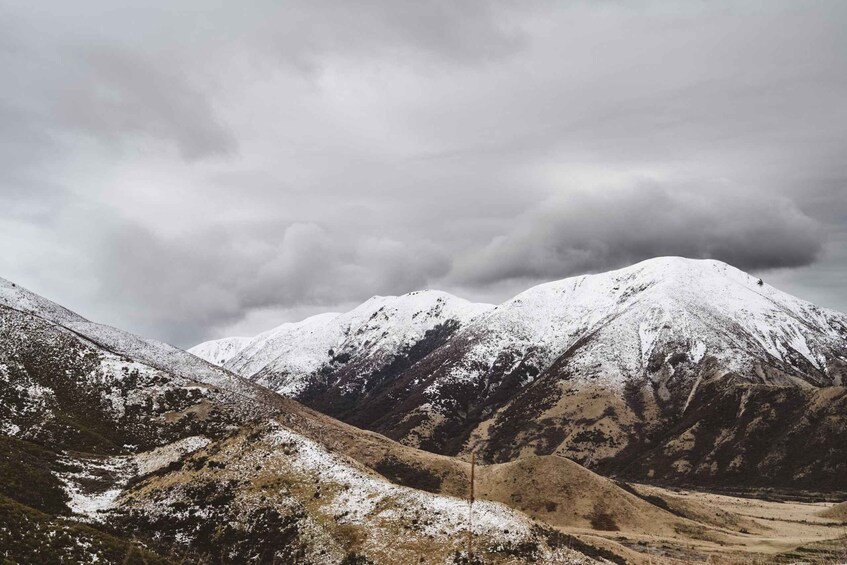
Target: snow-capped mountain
x=619, y=323
x=654, y=322
x=289, y=358
x=588, y=366
x=219, y=351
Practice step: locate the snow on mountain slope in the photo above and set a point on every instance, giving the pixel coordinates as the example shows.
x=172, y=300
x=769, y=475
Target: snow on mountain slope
x=219, y=351
x=312, y=501
x=287, y=356
x=591, y=366
x=586, y=367
x=14, y=296
x=298, y=347
x=94, y=387
x=621, y=320
x=151, y=352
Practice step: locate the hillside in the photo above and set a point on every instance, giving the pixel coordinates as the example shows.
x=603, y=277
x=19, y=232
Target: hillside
x=614, y=370
x=118, y=449
x=836, y=512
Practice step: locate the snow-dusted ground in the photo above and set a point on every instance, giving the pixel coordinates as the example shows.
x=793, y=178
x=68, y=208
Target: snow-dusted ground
x=89, y=501
x=364, y=498
x=283, y=469
x=149, y=461
x=86, y=500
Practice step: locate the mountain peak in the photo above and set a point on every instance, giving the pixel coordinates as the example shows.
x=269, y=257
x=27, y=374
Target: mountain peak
x=692, y=300
x=698, y=302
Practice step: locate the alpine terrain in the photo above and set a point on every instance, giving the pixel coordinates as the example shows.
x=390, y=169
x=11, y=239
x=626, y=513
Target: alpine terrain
x=118, y=449
x=672, y=370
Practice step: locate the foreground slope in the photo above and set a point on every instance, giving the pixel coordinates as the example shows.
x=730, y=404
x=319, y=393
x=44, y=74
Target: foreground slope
x=145, y=442
x=305, y=504
x=672, y=369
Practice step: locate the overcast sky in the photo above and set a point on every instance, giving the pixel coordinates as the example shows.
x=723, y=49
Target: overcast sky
x=194, y=169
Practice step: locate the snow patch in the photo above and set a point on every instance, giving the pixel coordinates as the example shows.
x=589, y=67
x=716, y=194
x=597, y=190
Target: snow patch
x=370, y=498
x=82, y=484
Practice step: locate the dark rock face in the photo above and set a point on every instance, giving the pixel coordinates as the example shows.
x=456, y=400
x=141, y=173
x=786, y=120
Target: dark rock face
x=753, y=435
x=360, y=392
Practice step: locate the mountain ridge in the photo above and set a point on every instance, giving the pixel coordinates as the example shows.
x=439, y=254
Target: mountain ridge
x=589, y=367
x=537, y=334
x=187, y=460
x=383, y=324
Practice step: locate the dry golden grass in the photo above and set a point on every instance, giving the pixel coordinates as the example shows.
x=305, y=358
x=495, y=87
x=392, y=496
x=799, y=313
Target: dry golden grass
x=654, y=525
x=837, y=512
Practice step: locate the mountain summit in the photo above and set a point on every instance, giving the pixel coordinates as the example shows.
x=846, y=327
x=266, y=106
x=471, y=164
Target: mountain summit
x=291, y=357
x=602, y=368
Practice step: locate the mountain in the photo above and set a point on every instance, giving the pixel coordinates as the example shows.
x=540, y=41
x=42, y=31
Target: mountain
x=293, y=358
x=219, y=351
x=673, y=369
x=118, y=449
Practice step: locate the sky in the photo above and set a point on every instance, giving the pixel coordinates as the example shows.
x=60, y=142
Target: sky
x=189, y=170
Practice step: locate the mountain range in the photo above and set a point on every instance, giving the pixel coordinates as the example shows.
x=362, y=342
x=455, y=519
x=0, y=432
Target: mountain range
x=673, y=370
x=345, y=438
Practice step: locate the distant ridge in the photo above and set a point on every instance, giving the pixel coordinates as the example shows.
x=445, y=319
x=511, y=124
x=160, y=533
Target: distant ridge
x=601, y=368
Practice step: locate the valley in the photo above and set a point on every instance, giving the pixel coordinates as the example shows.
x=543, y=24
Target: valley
x=771, y=531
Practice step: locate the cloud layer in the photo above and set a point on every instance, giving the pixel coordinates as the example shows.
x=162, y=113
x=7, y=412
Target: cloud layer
x=602, y=229
x=188, y=171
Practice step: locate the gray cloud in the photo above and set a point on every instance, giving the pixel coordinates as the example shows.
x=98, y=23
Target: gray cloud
x=119, y=94
x=601, y=230
x=186, y=171
x=463, y=33
x=303, y=265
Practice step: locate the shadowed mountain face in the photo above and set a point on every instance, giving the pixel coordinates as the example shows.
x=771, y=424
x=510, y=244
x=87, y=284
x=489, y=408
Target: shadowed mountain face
x=106, y=437
x=673, y=369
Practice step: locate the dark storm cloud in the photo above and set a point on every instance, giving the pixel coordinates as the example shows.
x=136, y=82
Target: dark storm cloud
x=187, y=170
x=611, y=228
